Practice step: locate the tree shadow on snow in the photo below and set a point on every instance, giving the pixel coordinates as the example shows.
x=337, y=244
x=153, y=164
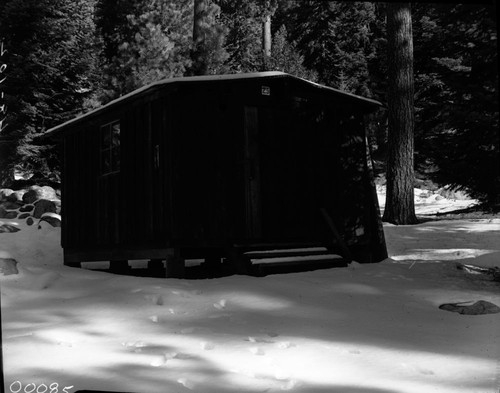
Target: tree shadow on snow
x=271, y=309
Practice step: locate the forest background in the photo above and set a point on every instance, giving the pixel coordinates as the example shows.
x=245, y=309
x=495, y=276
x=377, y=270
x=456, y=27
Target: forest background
x=61, y=58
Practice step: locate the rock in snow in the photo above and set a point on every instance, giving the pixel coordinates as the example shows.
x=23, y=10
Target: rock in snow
x=8, y=266
x=478, y=308
x=52, y=218
x=44, y=206
x=8, y=228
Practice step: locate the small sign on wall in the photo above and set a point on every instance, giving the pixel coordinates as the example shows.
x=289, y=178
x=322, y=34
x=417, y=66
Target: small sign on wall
x=266, y=90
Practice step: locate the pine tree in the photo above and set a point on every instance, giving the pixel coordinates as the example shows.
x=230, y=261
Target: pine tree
x=268, y=8
x=51, y=73
x=457, y=97
x=142, y=42
x=399, y=207
x=284, y=57
x=335, y=40
x=208, y=53
x=243, y=37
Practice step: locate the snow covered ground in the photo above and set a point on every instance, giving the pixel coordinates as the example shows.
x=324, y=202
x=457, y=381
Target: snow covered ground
x=365, y=328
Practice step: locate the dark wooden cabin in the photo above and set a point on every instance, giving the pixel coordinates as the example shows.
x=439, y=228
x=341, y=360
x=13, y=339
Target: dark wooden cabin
x=214, y=166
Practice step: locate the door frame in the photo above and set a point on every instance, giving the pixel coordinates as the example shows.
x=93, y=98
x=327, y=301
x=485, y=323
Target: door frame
x=253, y=207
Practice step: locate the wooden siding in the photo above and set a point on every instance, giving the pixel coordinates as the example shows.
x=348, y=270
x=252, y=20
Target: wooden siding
x=207, y=168
x=217, y=163
x=80, y=188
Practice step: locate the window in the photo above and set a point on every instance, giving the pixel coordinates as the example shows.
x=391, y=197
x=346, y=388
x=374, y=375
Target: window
x=110, y=148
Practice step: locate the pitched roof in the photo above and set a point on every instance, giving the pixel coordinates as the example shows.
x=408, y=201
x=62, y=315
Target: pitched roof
x=203, y=78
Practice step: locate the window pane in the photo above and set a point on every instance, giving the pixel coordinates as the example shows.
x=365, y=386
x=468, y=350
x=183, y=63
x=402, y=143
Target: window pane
x=105, y=137
x=105, y=161
x=115, y=160
x=110, y=148
x=115, y=134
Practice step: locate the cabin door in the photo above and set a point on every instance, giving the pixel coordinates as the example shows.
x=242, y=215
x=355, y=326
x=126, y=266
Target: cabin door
x=287, y=162
x=252, y=173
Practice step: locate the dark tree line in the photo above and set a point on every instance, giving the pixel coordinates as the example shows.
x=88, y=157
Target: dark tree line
x=457, y=111
x=66, y=57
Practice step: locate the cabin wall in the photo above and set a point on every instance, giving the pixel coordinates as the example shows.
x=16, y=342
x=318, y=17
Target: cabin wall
x=292, y=164
x=127, y=208
x=141, y=190
x=207, y=167
x=314, y=156
x=235, y=165
x=214, y=164
x=80, y=188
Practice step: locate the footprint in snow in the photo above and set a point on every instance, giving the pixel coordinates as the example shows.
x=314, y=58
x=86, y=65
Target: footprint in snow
x=259, y=340
x=44, y=281
x=155, y=299
x=176, y=312
x=159, y=361
x=286, y=345
x=182, y=293
x=207, y=346
x=135, y=346
x=183, y=356
x=186, y=383
x=245, y=371
x=163, y=359
x=281, y=375
x=221, y=304
x=257, y=351
x=424, y=371
x=289, y=385
x=220, y=316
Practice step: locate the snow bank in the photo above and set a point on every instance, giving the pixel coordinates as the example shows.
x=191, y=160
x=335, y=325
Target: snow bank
x=433, y=202
x=32, y=246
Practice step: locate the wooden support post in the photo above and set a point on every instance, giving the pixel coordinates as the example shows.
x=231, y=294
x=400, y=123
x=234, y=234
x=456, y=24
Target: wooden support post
x=175, y=265
x=119, y=267
x=71, y=260
x=239, y=262
x=156, y=268
x=213, y=262
x=72, y=264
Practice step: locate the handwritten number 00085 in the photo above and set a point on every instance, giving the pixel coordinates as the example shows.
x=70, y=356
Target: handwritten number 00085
x=17, y=387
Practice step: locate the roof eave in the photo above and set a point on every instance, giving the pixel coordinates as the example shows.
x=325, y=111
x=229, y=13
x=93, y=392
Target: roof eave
x=367, y=102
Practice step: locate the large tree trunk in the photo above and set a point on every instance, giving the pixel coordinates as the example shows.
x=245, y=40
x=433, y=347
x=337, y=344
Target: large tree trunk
x=400, y=205
x=266, y=40
x=266, y=35
x=199, y=51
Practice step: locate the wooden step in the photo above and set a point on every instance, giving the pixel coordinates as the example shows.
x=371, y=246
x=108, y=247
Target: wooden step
x=302, y=260
x=260, y=247
x=292, y=260
x=295, y=252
